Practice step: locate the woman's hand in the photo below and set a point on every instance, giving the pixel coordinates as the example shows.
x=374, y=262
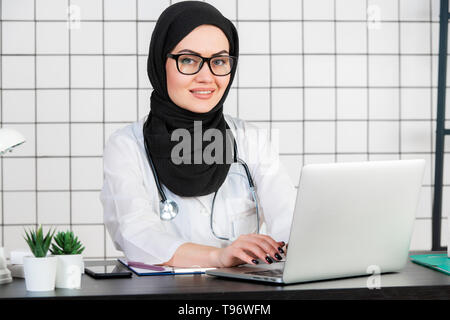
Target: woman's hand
x=248, y=248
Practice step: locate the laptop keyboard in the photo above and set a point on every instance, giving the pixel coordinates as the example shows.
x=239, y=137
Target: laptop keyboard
x=267, y=273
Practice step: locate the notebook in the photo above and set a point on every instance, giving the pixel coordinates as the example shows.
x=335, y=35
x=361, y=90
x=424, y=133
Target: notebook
x=439, y=262
x=164, y=270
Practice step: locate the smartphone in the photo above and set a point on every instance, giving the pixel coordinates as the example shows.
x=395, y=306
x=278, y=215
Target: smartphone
x=107, y=272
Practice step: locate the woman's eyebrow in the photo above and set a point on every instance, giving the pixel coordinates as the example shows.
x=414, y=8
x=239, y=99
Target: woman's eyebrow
x=190, y=51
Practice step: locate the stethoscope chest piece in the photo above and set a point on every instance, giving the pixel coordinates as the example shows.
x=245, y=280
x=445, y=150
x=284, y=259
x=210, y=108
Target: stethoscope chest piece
x=168, y=209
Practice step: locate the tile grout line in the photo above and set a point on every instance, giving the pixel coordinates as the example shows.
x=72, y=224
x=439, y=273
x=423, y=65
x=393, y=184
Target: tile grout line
x=2, y=240
x=35, y=117
x=103, y=101
x=237, y=71
x=367, y=84
x=137, y=61
x=270, y=72
x=235, y=87
x=303, y=82
x=335, y=83
x=431, y=94
x=69, y=29
x=235, y=20
x=294, y=54
x=399, y=83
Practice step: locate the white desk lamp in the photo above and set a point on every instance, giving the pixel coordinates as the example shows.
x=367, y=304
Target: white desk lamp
x=9, y=139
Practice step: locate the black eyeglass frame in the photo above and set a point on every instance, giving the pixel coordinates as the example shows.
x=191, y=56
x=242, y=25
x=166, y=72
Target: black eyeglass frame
x=208, y=61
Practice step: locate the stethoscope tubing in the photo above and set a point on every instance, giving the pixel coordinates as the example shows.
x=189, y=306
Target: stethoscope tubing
x=155, y=174
x=164, y=201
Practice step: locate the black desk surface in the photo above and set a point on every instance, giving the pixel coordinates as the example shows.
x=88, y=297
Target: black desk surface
x=413, y=282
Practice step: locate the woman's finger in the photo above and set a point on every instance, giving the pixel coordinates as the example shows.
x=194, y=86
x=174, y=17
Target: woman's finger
x=245, y=257
x=256, y=250
x=270, y=246
x=282, y=247
x=254, y=246
x=270, y=240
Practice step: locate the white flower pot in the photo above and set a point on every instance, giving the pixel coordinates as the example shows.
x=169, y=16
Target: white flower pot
x=40, y=273
x=69, y=270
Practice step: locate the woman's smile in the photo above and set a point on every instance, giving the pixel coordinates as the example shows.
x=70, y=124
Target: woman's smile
x=203, y=93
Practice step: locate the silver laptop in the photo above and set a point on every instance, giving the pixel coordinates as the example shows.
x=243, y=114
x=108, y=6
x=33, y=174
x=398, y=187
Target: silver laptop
x=348, y=218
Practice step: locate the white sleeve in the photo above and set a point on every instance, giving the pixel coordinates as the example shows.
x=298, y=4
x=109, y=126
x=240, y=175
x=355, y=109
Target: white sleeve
x=275, y=190
x=130, y=210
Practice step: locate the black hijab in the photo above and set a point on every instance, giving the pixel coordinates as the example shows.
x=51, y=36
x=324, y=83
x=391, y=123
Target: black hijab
x=185, y=179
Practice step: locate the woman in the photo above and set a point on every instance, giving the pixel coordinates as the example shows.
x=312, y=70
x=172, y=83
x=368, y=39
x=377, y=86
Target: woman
x=220, y=222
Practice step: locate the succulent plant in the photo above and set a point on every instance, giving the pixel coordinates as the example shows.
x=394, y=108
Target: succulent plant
x=66, y=243
x=38, y=244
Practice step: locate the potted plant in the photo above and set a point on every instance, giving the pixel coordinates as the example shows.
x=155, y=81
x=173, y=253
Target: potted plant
x=70, y=265
x=40, y=269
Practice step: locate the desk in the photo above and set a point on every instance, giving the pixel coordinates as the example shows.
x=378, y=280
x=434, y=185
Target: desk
x=413, y=282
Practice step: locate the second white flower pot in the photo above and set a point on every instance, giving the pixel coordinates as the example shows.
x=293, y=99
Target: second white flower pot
x=69, y=270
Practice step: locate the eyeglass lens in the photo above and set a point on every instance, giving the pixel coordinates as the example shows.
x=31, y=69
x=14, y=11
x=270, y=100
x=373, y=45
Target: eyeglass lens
x=190, y=64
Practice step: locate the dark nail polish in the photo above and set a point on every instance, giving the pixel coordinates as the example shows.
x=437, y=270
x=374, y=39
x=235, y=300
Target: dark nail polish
x=255, y=261
x=269, y=260
x=281, y=250
x=277, y=256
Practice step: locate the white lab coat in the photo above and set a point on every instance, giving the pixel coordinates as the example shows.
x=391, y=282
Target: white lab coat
x=131, y=200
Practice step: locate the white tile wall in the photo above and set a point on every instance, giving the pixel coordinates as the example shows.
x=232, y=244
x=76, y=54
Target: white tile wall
x=18, y=72
x=279, y=31
x=351, y=137
x=18, y=30
x=53, y=207
x=385, y=39
x=319, y=71
x=338, y=80
x=351, y=37
x=255, y=104
x=319, y=103
x=351, y=103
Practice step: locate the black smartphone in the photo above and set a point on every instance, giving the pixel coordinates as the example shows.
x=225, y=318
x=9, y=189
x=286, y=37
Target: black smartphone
x=107, y=272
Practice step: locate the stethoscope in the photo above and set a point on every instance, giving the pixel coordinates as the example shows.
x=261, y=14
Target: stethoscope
x=168, y=209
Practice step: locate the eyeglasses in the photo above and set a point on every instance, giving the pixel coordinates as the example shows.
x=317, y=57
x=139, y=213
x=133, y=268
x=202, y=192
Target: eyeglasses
x=192, y=63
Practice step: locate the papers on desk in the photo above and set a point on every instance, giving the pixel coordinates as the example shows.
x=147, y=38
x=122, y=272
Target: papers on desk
x=150, y=270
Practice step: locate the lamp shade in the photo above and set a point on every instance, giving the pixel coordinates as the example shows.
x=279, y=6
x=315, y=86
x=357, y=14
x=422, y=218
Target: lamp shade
x=9, y=138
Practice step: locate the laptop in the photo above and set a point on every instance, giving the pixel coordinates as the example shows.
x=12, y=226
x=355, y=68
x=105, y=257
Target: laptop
x=349, y=219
